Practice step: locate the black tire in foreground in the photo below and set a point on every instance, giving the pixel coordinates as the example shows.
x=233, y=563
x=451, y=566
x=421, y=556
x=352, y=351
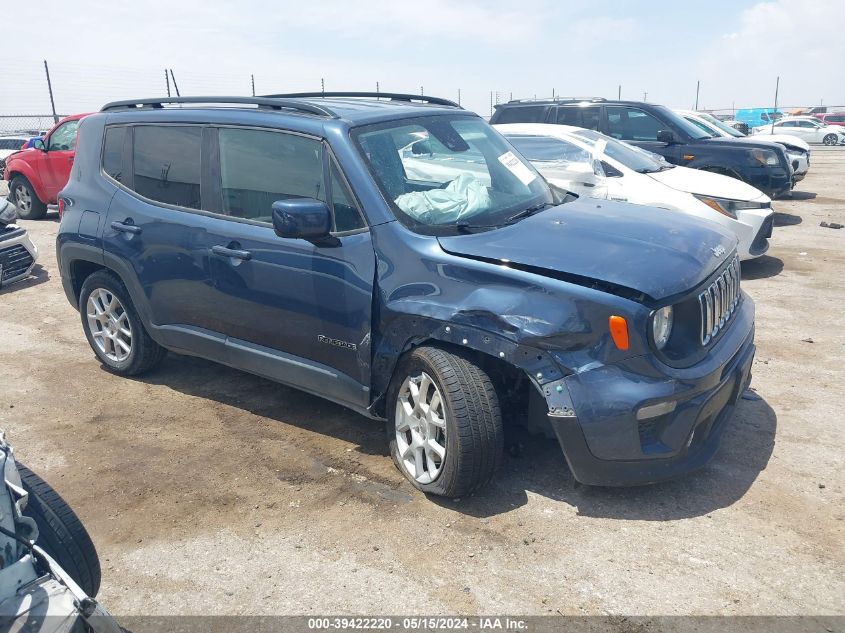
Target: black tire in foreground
x=61, y=533
x=144, y=353
x=28, y=204
x=474, y=436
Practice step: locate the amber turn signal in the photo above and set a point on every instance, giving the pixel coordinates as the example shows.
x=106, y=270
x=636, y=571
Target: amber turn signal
x=619, y=331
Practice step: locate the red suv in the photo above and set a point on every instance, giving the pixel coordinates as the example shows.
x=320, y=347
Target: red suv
x=36, y=175
x=831, y=118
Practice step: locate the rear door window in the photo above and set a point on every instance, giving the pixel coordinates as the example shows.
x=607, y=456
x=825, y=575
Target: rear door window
x=167, y=164
x=579, y=116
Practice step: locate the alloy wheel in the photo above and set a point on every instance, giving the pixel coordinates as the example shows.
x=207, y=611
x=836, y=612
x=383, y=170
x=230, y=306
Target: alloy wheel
x=109, y=325
x=830, y=139
x=23, y=199
x=421, y=428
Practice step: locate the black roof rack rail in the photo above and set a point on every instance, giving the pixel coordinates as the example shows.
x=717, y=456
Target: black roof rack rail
x=393, y=96
x=554, y=99
x=262, y=102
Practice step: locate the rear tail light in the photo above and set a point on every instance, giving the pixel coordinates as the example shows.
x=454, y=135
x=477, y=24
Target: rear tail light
x=61, y=207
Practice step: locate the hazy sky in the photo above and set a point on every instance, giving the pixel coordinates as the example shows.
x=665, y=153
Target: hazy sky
x=100, y=51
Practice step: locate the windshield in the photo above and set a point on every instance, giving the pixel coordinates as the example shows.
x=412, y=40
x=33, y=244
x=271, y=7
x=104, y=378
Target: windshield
x=444, y=173
x=719, y=125
x=631, y=157
x=693, y=130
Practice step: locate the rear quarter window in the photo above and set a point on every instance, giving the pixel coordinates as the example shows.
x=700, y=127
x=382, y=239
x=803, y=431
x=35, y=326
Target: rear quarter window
x=113, y=153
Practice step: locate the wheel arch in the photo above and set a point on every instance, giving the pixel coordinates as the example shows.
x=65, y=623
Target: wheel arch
x=25, y=171
x=515, y=369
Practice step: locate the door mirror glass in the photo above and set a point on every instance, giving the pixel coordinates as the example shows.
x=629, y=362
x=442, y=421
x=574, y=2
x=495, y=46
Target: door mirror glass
x=665, y=136
x=39, y=144
x=303, y=218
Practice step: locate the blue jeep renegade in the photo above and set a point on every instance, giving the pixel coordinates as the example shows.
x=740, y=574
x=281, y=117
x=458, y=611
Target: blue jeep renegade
x=394, y=254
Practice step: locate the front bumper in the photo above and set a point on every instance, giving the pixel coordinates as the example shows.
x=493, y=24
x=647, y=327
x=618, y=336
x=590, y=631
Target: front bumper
x=17, y=254
x=606, y=445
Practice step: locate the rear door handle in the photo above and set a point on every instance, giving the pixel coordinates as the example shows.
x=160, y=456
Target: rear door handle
x=123, y=227
x=223, y=251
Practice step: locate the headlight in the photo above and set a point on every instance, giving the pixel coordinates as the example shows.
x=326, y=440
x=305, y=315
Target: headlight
x=661, y=326
x=764, y=157
x=729, y=207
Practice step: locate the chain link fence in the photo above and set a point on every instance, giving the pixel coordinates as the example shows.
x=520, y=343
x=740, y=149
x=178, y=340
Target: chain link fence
x=27, y=125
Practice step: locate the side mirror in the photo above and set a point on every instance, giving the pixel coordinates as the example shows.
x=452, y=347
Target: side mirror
x=301, y=218
x=39, y=144
x=665, y=136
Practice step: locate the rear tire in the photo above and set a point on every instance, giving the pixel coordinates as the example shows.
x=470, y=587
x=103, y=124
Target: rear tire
x=23, y=195
x=440, y=400
x=113, y=327
x=61, y=533
x=830, y=139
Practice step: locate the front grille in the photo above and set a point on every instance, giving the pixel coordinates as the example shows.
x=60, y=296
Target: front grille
x=718, y=302
x=15, y=261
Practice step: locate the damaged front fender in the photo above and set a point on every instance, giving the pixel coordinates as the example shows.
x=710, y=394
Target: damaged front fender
x=547, y=328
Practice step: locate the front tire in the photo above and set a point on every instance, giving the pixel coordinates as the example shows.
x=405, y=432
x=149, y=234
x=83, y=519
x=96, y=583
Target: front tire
x=113, y=327
x=830, y=139
x=28, y=204
x=444, y=423
x=61, y=533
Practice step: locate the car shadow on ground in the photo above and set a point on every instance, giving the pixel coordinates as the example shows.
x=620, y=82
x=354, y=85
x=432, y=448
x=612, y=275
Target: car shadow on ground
x=532, y=465
x=801, y=195
x=37, y=276
x=761, y=268
x=540, y=469
x=787, y=219
x=211, y=381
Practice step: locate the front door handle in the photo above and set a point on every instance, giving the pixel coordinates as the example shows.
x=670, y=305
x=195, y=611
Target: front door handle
x=224, y=251
x=123, y=227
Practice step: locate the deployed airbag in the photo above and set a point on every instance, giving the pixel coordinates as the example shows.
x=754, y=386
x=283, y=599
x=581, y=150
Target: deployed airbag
x=466, y=195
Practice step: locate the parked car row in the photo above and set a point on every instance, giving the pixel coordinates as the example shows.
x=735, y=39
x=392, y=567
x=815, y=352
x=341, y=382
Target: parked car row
x=658, y=129
x=810, y=129
x=598, y=166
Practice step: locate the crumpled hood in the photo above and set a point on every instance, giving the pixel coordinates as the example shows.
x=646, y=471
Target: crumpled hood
x=705, y=183
x=623, y=247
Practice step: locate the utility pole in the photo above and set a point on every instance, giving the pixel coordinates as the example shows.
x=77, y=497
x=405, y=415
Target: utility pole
x=645, y=96
x=459, y=96
x=619, y=93
x=50, y=90
x=491, y=103
x=777, y=86
x=322, y=85
x=175, y=85
x=377, y=88
x=252, y=78
x=422, y=92
x=697, y=87
x=167, y=81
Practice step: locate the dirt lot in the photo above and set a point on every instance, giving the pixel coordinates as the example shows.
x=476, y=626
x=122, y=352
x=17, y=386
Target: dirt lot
x=211, y=491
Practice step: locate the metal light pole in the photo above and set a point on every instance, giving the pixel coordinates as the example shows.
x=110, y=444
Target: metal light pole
x=697, y=87
x=175, y=85
x=50, y=90
x=777, y=86
x=167, y=81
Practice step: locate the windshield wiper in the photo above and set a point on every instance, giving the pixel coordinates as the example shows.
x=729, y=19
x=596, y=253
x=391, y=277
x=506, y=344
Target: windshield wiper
x=530, y=211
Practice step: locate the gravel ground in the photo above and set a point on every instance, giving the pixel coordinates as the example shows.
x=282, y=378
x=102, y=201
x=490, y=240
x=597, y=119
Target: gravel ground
x=209, y=491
